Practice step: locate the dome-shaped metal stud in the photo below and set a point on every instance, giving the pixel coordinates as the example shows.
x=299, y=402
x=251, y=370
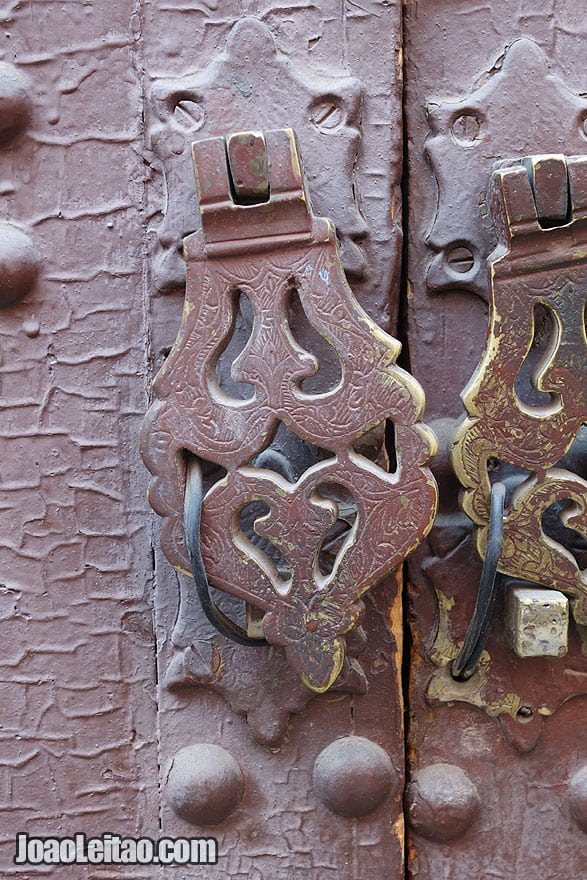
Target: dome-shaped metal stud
x=19, y=264
x=15, y=101
x=353, y=776
x=205, y=784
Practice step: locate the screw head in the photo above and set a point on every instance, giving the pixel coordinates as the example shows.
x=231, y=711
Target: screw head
x=327, y=115
x=189, y=115
x=460, y=258
x=466, y=129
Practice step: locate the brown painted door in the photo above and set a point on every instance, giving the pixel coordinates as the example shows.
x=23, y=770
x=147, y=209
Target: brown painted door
x=124, y=712
x=498, y=761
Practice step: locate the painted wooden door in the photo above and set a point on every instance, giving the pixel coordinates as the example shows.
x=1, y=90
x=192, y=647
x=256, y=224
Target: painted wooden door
x=125, y=717
x=497, y=762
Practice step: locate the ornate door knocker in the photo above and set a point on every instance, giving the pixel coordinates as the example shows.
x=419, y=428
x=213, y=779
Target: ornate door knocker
x=527, y=400
x=260, y=240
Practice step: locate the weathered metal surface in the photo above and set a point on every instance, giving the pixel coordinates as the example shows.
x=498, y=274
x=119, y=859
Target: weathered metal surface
x=306, y=68
x=503, y=683
x=541, y=268
x=499, y=120
x=492, y=118
x=77, y=177
x=268, y=251
x=290, y=727
x=537, y=622
x=500, y=81
x=78, y=717
x=516, y=725
x=256, y=83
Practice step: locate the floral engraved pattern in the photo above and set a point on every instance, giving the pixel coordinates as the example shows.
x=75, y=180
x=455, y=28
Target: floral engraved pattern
x=265, y=251
x=537, y=265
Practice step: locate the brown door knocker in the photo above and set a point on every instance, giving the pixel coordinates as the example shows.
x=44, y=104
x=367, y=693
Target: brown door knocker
x=261, y=241
x=527, y=400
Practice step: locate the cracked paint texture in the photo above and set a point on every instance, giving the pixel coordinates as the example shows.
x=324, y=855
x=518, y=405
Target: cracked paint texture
x=79, y=722
x=281, y=831
x=77, y=717
x=521, y=761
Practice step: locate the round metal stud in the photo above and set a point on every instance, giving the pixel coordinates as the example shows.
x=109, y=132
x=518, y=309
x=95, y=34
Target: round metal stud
x=352, y=776
x=578, y=798
x=205, y=784
x=442, y=802
x=18, y=264
x=15, y=101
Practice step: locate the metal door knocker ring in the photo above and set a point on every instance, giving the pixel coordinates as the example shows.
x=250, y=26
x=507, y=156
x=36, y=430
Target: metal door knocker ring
x=192, y=514
x=466, y=663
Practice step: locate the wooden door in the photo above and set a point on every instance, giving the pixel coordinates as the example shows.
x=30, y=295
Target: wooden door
x=497, y=762
x=124, y=713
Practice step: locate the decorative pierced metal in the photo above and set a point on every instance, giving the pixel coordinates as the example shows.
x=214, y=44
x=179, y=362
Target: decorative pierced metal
x=266, y=250
x=540, y=209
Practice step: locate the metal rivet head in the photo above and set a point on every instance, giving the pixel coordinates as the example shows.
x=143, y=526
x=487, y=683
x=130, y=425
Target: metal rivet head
x=15, y=101
x=205, y=784
x=352, y=776
x=18, y=264
x=578, y=798
x=442, y=802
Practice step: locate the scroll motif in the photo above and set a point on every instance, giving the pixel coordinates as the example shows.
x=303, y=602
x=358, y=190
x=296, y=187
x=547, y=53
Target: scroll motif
x=267, y=251
x=542, y=263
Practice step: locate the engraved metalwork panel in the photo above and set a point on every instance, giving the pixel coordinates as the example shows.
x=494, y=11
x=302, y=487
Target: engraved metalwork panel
x=268, y=250
x=542, y=268
x=496, y=762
